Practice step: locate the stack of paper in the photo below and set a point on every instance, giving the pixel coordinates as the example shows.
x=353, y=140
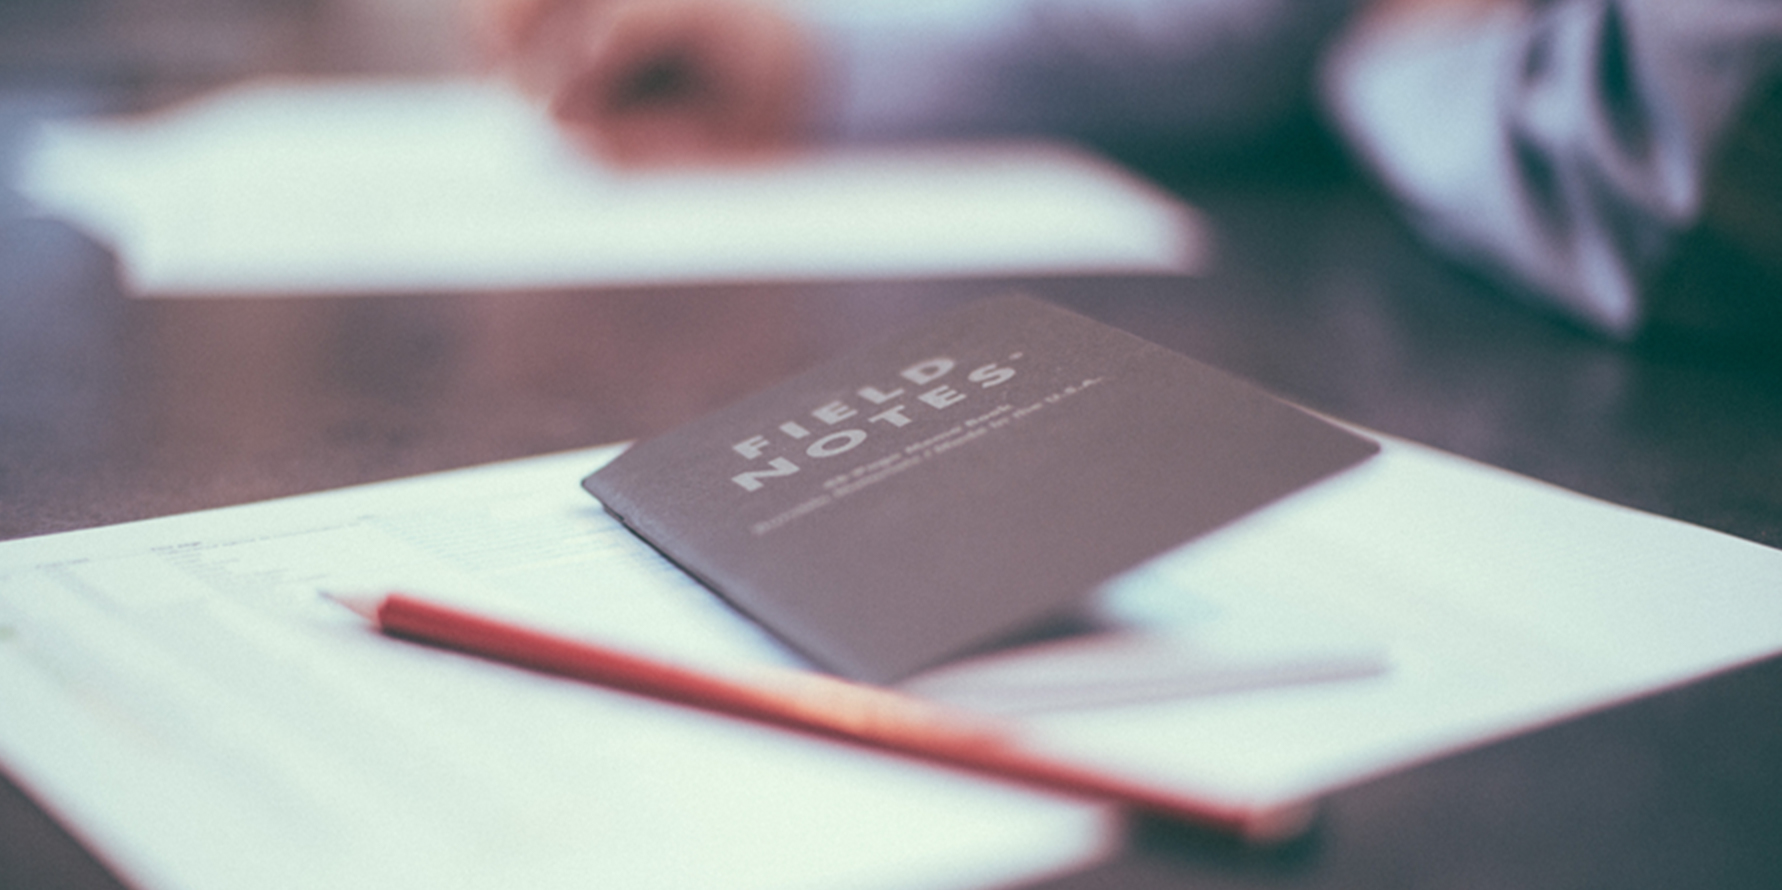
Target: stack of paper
x=179, y=694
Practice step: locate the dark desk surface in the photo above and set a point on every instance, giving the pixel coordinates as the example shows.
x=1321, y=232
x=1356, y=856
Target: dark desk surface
x=114, y=409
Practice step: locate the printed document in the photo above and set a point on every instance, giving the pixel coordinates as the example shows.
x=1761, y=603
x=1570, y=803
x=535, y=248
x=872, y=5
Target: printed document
x=178, y=692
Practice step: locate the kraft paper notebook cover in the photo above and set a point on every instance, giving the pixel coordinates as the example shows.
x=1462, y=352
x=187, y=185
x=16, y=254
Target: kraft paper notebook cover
x=962, y=484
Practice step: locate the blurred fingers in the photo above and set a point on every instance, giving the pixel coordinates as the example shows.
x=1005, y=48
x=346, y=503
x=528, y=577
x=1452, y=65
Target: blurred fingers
x=675, y=80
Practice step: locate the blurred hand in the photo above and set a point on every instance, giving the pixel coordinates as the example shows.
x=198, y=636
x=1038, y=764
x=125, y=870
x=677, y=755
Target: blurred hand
x=659, y=81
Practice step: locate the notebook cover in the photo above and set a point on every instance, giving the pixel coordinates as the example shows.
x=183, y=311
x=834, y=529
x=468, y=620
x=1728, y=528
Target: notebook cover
x=962, y=483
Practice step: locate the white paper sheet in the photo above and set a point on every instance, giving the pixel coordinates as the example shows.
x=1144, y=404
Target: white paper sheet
x=178, y=692
x=317, y=187
x=1504, y=604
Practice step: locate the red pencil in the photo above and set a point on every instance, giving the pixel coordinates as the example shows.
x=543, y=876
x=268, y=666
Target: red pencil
x=813, y=703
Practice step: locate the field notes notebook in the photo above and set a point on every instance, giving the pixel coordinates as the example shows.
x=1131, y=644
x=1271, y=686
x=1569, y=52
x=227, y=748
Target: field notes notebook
x=962, y=484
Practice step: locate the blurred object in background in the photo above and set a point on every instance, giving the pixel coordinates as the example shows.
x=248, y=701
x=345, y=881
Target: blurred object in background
x=1616, y=160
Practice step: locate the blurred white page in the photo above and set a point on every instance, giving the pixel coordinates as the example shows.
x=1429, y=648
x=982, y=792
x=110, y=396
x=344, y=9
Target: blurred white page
x=180, y=695
x=316, y=187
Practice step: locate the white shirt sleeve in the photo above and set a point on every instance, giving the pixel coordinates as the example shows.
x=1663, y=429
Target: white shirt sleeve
x=1570, y=145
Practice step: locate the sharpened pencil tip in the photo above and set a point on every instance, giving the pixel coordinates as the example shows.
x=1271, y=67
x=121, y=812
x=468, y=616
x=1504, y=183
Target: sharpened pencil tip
x=363, y=604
